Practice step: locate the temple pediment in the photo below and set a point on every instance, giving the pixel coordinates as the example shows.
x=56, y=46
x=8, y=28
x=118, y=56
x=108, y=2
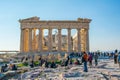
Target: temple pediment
x=35, y=18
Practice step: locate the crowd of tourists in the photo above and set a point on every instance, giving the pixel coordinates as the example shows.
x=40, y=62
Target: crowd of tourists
x=71, y=59
x=83, y=58
x=10, y=66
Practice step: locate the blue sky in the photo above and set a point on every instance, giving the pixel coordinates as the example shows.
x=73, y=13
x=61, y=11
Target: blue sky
x=104, y=28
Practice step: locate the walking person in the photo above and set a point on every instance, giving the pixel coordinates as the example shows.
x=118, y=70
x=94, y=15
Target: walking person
x=90, y=58
x=84, y=60
x=96, y=59
x=115, y=57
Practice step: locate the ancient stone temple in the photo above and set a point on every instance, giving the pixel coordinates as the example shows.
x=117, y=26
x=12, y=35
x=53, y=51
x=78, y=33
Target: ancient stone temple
x=32, y=42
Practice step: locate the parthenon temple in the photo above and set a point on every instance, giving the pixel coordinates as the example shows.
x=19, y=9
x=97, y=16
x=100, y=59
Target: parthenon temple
x=32, y=42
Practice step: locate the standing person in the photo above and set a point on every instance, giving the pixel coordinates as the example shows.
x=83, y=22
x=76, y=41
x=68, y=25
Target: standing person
x=46, y=64
x=115, y=57
x=22, y=59
x=66, y=62
x=11, y=61
x=84, y=60
x=32, y=64
x=119, y=59
x=96, y=59
x=53, y=65
x=71, y=61
x=90, y=58
x=14, y=67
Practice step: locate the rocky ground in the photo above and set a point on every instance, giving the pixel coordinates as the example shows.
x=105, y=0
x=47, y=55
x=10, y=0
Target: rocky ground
x=106, y=70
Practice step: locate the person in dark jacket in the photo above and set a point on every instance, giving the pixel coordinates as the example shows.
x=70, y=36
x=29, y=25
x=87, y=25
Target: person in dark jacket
x=115, y=56
x=14, y=67
x=53, y=65
x=90, y=58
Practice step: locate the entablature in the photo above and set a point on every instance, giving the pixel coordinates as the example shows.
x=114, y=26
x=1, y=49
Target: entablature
x=34, y=22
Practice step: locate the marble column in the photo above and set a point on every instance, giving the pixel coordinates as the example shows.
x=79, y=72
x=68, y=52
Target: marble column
x=79, y=40
x=22, y=41
x=25, y=40
x=69, y=40
x=50, y=40
x=87, y=40
x=34, y=39
x=30, y=39
x=40, y=39
x=59, y=40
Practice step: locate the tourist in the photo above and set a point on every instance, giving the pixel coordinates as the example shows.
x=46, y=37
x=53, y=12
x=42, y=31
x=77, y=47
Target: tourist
x=6, y=67
x=26, y=59
x=14, y=67
x=2, y=69
x=46, y=64
x=84, y=60
x=41, y=61
x=32, y=64
x=96, y=59
x=66, y=62
x=53, y=65
x=70, y=61
x=68, y=58
x=22, y=59
x=10, y=66
x=115, y=56
x=119, y=59
x=63, y=62
x=90, y=58
x=11, y=61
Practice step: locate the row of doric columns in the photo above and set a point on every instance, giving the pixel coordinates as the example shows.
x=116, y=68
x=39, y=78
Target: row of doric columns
x=28, y=38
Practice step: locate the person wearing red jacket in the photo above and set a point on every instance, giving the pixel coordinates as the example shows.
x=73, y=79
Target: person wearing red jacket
x=85, y=59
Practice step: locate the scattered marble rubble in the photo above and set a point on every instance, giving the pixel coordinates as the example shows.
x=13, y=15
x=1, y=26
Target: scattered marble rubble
x=106, y=70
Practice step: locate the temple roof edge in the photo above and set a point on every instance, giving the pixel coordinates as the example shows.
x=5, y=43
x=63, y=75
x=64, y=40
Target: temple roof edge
x=35, y=18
